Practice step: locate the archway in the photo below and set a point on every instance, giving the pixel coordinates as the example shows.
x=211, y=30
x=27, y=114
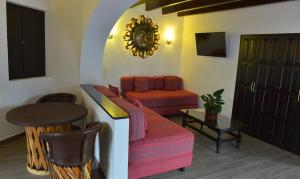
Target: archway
x=101, y=22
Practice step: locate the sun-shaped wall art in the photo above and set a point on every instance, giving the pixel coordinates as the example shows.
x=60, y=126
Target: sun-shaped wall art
x=142, y=37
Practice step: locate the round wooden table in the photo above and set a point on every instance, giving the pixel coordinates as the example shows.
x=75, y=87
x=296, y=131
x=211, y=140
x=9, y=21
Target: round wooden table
x=43, y=117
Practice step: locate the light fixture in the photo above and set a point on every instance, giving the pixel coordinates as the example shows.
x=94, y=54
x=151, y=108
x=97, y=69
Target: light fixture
x=169, y=35
x=110, y=36
x=112, y=33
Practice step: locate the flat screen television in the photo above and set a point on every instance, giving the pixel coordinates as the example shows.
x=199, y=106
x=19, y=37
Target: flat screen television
x=211, y=44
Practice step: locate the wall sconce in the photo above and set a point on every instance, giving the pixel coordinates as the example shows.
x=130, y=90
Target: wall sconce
x=169, y=35
x=112, y=33
x=110, y=36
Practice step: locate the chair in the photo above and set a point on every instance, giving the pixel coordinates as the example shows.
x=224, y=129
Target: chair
x=60, y=97
x=70, y=154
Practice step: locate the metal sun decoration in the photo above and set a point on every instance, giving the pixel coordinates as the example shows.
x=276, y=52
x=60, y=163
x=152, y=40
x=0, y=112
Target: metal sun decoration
x=142, y=37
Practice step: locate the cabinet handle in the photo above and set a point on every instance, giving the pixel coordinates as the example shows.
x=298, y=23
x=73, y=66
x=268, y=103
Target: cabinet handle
x=298, y=95
x=251, y=86
x=254, y=85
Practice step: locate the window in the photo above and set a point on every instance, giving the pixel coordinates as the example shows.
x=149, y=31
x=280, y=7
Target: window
x=26, y=42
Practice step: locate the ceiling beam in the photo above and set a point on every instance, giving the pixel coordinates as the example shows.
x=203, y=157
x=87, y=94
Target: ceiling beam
x=154, y=4
x=227, y=6
x=191, y=5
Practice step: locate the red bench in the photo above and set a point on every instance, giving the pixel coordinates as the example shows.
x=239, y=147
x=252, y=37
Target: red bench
x=165, y=95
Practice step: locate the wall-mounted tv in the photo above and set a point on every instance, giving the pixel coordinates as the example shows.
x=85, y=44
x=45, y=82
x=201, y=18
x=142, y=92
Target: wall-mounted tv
x=211, y=44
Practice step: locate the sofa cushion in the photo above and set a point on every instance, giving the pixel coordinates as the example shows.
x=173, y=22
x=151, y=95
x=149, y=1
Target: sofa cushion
x=171, y=83
x=141, y=84
x=164, y=140
x=179, y=83
x=105, y=91
x=134, y=101
x=161, y=98
x=137, y=125
x=151, y=83
x=127, y=84
x=114, y=89
x=138, y=104
x=159, y=82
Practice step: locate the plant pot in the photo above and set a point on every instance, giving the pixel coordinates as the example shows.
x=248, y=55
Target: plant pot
x=211, y=116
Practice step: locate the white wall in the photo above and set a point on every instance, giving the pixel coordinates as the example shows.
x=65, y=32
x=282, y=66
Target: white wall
x=17, y=92
x=118, y=61
x=63, y=43
x=207, y=74
x=100, y=23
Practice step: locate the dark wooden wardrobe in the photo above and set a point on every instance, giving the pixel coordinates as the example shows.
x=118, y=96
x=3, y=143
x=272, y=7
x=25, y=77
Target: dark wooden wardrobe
x=267, y=92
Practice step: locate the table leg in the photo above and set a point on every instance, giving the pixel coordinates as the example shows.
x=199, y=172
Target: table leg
x=74, y=172
x=238, y=140
x=183, y=120
x=36, y=161
x=218, y=144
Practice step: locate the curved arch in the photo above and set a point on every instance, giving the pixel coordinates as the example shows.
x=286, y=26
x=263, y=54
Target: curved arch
x=101, y=22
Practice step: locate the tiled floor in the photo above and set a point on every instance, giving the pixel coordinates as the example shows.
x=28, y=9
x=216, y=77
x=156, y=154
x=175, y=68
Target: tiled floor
x=254, y=160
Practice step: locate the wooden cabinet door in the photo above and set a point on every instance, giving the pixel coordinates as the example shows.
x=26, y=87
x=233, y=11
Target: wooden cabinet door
x=14, y=27
x=272, y=110
x=244, y=97
x=292, y=113
x=26, y=42
x=34, y=42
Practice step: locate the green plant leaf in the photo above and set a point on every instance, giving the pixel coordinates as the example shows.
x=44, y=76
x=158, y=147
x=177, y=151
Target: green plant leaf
x=204, y=98
x=211, y=97
x=213, y=102
x=218, y=92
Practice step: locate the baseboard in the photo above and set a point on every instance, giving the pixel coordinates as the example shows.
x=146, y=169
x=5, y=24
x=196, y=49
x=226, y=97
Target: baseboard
x=12, y=138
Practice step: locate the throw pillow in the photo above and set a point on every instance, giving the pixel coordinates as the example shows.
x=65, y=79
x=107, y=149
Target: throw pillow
x=179, y=83
x=141, y=84
x=171, y=83
x=114, y=89
x=137, y=120
x=127, y=84
x=152, y=83
x=136, y=102
x=159, y=82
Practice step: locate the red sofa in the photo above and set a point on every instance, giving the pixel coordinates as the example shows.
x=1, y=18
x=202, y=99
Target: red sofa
x=156, y=145
x=163, y=94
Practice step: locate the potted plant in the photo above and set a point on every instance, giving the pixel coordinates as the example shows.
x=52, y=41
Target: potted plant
x=213, y=104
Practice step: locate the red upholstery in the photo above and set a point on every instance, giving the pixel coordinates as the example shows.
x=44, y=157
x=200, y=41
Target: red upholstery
x=179, y=83
x=151, y=83
x=161, y=98
x=173, y=109
x=137, y=125
x=168, y=100
x=105, y=91
x=164, y=147
x=171, y=83
x=127, y=84
x=114, y=89
x=159, y=82
x=141, y=84
x=167, y=146
x=138, y=104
